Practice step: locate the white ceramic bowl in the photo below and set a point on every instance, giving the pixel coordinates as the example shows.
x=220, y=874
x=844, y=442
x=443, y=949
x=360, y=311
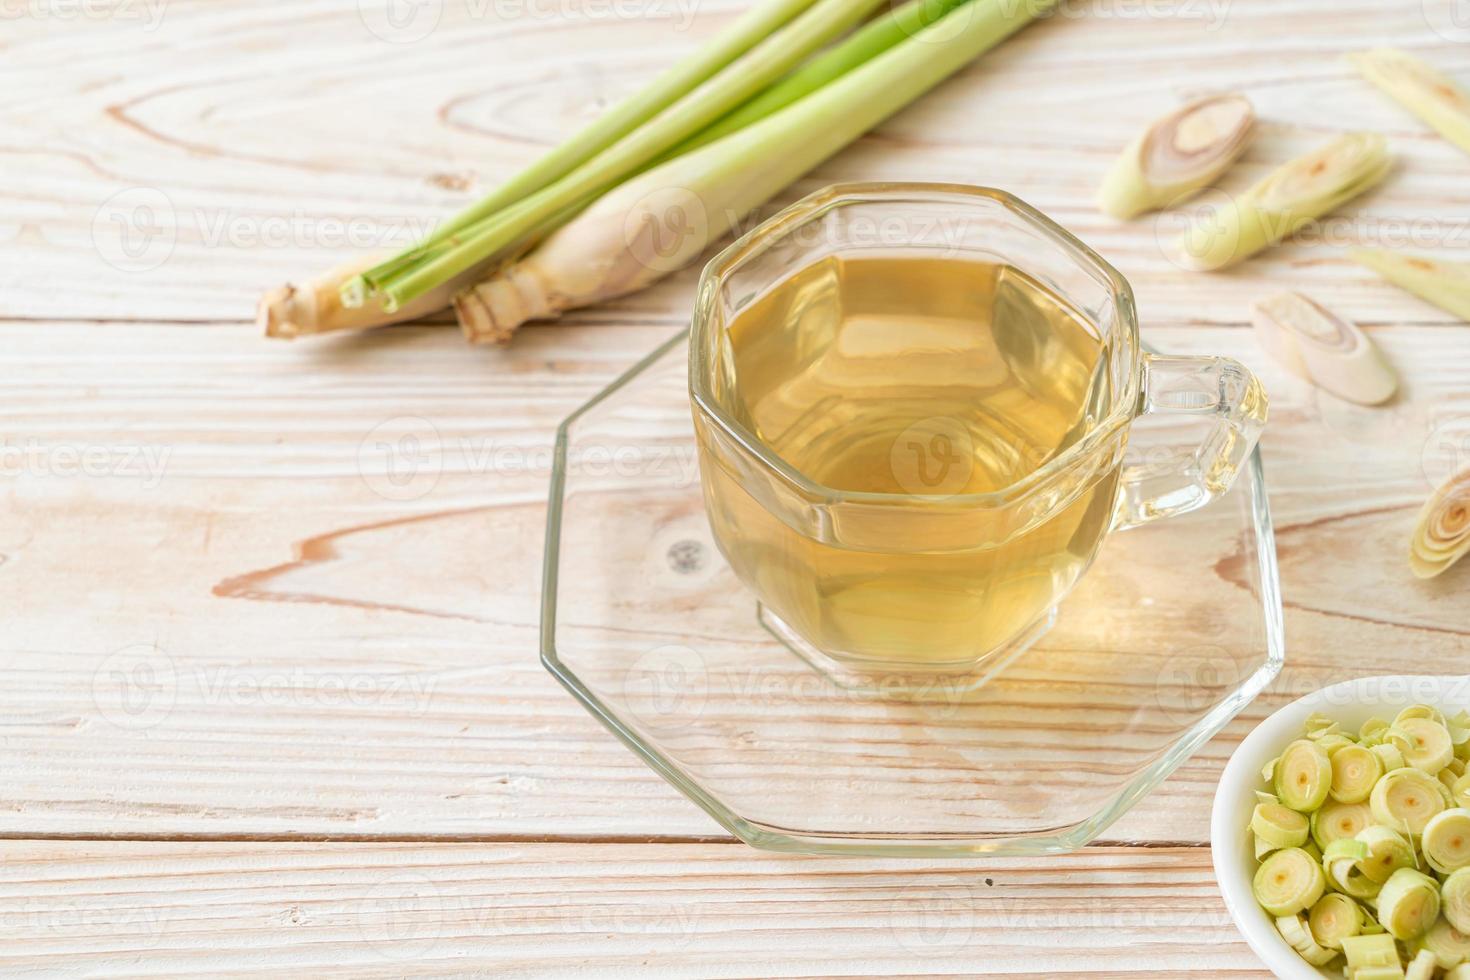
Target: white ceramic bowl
x=1352, y=703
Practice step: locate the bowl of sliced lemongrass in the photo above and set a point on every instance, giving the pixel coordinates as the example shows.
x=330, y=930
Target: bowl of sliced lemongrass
x=1341, y=832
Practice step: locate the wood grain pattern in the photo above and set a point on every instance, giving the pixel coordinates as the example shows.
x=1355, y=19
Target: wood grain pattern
x=669, y=910
x=225, y=617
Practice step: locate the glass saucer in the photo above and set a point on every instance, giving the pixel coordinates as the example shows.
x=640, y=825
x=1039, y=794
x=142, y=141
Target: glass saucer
x=1176, y=627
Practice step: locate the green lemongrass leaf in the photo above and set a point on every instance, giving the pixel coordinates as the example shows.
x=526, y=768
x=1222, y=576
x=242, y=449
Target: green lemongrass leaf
x=1445, y=284
x=609, y=249
x=1178, y=155
x=872, y=39
x=1286, y=201
x=489, y=239
x=613, y=125
x=1429, y=94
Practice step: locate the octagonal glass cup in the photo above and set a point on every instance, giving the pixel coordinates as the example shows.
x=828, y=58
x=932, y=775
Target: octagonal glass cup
x=932, y=578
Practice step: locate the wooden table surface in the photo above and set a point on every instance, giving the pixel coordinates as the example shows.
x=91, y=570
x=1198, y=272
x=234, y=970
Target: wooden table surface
x=262, y=713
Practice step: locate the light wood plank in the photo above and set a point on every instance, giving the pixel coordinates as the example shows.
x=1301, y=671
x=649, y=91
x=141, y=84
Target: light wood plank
x=665, y=910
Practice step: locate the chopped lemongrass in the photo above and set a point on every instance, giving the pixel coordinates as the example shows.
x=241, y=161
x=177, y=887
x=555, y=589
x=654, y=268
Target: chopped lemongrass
x=1320, y=347
x=1450, y=946
x=1264, y=797
x=1455, y=894
x=1461, y=790
x=1461, y=972
x=1442, y=534
x=1278, y=825
x=1422, y=967
x=1303, y=775
x=1446, y=841
x=617, y=246
x=1299, y=937
x=1286, y=201
x=1263, y=847
x=1368, y=952
x=1178, y=155
x=1445, y=284
x=1424, y=742
x=1343, y=862
x=1340, y=821
x=1389, y=755
x=1334, y=918
x=1408, y=904
x=1355, y=770
x=1388, y=851
x=1429, y=94
x=1288, y=881
x=1370, y=733
x=1420, y=711
x=508, y=229
x=1407, y=799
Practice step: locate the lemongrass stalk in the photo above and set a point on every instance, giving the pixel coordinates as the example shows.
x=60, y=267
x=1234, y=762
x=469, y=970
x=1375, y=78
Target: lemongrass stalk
x=315, y=306
x=1445, y=284
x=1178, y=155
x=1442, y=534
x=871, y=39
x=1429, y=94
x=737, y=82
x=1319, y=346
x=749, y=30
x=1287, y=200
x=623, y=243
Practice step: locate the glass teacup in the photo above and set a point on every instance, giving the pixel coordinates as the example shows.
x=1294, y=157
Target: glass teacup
x=912, y=403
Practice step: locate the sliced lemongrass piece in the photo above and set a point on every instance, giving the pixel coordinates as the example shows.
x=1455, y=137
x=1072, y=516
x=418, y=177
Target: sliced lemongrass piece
x=1455, y=895
x=1461, y=972
x=1422, y=967
x=1368, y=952
x=1178, y=155
x=1371, y=731
x=1322, y=348
x=1389, y=755
x=1263, y=847
x=1442, y=536
x=1379, y=973
x=1408, y=904
x=1355, y=770
x=1334, y=741
x=1443, y=283
x=1294, y=930
x=1264, y=797
x=1342, y=864
x=1406, y=800
x=1279, y=825
x=1334, y=918
x=1340, y=821
x=1303, y=775
x=1446, y=841
x=1313, y=850
x=1288, y=881
x=1429, y=94
x=1450, y=946
x=1286, y=201
x=1320, y=723
x=1461, y=791
x=1387, y=852
x=1419, y=711
x=1424, y=742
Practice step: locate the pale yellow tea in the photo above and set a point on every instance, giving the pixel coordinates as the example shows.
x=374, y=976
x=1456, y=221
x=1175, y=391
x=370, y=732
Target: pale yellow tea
x=909, y=383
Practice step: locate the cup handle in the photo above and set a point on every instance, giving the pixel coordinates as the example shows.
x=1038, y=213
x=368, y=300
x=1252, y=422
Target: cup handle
x=1182, y=482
